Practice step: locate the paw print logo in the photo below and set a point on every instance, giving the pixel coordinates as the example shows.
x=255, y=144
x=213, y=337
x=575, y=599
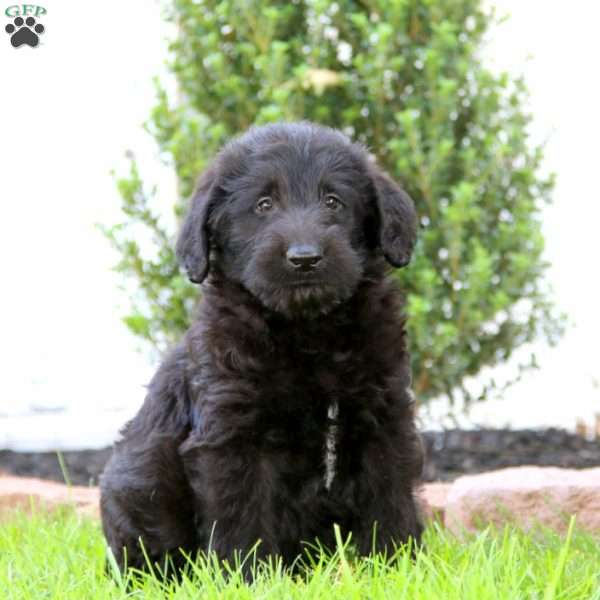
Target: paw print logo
x=24, y=32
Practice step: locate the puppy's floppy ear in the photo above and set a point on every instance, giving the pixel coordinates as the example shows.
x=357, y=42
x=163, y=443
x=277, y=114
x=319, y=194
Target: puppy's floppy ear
x=397, y=219
x=193, y=243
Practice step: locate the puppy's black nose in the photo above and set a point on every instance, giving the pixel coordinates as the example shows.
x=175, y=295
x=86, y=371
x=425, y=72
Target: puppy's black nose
x=303, y=257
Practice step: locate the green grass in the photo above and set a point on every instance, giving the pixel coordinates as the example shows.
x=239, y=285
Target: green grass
x=62, y=556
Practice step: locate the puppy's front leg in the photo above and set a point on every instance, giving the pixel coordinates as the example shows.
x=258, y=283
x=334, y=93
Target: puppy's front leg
x=245, y=495
x=387, y=514
x=380, y=463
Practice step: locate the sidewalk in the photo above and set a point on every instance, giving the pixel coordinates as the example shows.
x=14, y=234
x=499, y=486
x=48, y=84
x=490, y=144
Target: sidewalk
x=72, y=430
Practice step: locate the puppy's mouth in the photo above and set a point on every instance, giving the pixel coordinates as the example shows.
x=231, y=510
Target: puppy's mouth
x=306, y=283
x=305, y=298
x=302, y=293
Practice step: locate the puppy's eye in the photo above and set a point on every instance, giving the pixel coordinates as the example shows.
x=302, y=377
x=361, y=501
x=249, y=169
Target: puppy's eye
x=332, y=202
x=264, y=204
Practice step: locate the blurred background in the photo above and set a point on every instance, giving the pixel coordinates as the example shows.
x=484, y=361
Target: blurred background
x=86, y=186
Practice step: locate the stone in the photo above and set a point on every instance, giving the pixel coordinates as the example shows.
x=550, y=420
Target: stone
x=28, y=494
x=525, y=496
x=432, y=499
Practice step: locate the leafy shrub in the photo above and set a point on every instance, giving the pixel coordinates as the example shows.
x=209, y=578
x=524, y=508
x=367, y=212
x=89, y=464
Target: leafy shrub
x=404, y=77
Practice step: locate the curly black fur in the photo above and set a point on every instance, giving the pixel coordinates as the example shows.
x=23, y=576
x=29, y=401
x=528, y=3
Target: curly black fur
x=231, y=444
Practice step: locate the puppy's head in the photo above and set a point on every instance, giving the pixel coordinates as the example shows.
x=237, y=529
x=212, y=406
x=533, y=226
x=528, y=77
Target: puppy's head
x=295, y=213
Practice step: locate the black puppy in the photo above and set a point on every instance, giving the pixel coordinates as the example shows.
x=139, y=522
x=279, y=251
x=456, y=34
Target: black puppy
x=286, y=408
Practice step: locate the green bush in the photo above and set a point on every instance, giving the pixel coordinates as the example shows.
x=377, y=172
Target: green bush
x=404, y=77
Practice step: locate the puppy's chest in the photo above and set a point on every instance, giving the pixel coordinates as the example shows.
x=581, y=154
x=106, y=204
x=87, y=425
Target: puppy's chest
x=310, y=379
x=305, y=396
x=302, y=412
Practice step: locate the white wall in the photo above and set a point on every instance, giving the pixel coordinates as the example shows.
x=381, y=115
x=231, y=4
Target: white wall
x=70, y=109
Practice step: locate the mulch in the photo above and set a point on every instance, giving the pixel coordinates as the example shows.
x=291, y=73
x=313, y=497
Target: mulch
x=450, y=453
